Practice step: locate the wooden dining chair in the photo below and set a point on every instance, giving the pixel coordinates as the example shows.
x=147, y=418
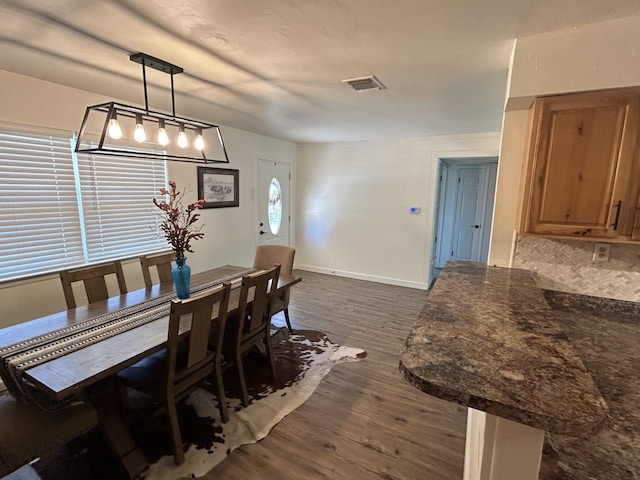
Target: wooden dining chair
x=251, y=327
x=162, y=263
x=28, y=432
x=94, y=279
x=266, y=257
x=171, y=374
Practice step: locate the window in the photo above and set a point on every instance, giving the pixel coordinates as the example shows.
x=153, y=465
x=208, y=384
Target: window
x=58, y=209
x=275, y=206
x=117, y=213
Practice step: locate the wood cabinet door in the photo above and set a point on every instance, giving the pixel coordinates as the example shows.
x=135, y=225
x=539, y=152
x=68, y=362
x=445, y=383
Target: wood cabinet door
x=582, y=165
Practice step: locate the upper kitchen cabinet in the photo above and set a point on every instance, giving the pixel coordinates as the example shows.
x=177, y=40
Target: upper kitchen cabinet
x=583, y=172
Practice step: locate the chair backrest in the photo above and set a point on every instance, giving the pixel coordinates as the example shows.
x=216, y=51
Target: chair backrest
x=181, y=374
x=254, y=311
x=29, y=432
x=162, y=263
x=94, y=281
x=269, y=255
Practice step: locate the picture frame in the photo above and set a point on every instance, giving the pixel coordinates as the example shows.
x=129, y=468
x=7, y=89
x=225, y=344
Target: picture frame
x=218, y=187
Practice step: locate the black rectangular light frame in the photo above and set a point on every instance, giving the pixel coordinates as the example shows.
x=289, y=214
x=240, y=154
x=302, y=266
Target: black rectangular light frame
x=101, y=146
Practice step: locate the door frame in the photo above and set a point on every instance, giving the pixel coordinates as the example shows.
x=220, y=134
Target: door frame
x=290, y=199
x=441, y=247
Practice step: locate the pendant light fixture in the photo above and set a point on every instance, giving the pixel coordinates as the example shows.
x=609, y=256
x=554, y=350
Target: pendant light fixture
x=199, y=143
x=117, y=129
x=163, y=136
x=182, y=136
x=139, y=135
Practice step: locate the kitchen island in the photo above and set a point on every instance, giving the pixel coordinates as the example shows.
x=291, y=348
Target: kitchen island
x=606, y=334
x=487, y=339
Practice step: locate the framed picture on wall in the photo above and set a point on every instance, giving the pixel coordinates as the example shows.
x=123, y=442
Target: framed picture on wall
x=218, y=187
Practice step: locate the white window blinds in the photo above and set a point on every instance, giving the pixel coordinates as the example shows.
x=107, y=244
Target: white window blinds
x=39, y=224
x=119, y=217
x=59, y=210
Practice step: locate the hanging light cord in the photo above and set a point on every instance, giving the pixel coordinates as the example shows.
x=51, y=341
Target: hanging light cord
x=173, y=102
x=144, y=81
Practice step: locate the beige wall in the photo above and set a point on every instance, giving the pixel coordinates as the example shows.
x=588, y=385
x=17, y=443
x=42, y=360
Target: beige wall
x=588, y=57
x=584, y=58
x=230, y=233
x=354, y=199
x=508, y=198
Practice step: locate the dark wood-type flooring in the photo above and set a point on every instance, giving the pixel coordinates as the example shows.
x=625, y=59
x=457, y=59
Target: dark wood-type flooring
x=363, y=421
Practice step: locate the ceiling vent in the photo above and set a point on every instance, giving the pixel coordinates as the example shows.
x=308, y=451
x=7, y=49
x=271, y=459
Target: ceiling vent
x=365, y=83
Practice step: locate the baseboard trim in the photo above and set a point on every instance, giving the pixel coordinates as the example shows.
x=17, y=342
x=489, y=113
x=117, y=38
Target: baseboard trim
x=361, y=276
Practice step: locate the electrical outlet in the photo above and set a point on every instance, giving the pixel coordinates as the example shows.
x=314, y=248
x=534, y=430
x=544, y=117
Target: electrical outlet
x=601, y=252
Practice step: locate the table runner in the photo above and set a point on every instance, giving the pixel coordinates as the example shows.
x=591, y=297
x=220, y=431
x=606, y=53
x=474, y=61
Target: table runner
x=16, y=358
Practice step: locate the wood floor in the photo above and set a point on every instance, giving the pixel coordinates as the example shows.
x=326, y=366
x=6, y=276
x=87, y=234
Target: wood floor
x=364, y=421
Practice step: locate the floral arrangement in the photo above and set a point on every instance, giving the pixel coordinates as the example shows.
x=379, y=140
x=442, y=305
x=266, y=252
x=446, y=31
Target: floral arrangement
x=178, y=223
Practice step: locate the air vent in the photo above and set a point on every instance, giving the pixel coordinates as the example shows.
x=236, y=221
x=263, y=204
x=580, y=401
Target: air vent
x=365, y=83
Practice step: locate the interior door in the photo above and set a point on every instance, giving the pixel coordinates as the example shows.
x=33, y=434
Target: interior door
x=469, y=213
x=273, y=203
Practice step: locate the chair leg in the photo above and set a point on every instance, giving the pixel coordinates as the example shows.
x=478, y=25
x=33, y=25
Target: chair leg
x=222, y=399
x=286, y=317
x=270, y=359
x=174, y=429
x=243, y=381
x=124, y=395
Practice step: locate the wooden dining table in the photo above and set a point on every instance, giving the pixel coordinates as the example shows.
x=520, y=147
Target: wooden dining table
x=91, y=370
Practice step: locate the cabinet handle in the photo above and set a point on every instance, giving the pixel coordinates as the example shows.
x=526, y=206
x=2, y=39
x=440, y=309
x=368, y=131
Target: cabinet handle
x=615, y=222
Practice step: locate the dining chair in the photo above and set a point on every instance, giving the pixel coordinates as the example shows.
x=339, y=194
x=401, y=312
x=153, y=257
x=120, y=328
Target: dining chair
x=28, y=432
x=251, y=326
x=94, y=279
x=266, y=257
x=173, y=373
x=162, y=263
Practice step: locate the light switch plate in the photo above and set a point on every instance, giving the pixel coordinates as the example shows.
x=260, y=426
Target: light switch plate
x=601, y=252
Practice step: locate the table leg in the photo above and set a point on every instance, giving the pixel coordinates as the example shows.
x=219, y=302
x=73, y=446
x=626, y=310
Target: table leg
x=501, y=449
x=105, y=397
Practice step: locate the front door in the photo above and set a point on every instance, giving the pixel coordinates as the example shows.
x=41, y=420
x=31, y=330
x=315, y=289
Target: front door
x=273, y=203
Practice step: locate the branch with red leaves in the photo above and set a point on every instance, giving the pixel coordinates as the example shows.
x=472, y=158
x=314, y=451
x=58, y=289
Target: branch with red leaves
x=178, y=223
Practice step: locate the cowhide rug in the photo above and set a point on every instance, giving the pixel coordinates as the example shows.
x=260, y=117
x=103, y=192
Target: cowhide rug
x=303, y=358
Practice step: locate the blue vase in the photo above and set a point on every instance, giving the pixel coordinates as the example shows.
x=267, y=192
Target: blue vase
x=181, y=273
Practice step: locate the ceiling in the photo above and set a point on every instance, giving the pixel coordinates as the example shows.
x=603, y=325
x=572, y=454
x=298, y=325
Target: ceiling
x=275, y=66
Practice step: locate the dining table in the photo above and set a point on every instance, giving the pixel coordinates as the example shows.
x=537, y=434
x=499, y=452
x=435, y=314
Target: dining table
x=76, y=353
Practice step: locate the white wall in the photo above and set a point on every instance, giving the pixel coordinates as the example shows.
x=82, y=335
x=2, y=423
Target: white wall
x=230, y=233
x=589, y=57
x=353, y=205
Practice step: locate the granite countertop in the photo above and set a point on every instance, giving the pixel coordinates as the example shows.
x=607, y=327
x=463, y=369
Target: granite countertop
x=606, y=334
x=487, y=339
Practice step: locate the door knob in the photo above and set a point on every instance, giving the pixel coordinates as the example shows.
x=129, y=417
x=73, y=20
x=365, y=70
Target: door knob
x=475, y=226
x=262, y=233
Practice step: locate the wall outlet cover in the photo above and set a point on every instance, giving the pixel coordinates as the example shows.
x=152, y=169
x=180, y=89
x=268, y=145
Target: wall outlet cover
x=601, y=252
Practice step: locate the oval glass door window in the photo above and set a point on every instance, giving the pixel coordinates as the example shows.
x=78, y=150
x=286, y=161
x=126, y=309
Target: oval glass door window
x=275, y=206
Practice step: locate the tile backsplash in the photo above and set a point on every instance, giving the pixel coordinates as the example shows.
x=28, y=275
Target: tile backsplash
x=567, y=266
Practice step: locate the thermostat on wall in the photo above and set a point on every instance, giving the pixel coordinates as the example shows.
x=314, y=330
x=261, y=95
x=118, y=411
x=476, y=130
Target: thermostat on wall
x=414, y=209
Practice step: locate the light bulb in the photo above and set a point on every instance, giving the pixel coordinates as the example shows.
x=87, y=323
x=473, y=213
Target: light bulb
x=115, y=131
x=163, y=138
x=199, y=140
x=139, y=135
x=182, y=137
